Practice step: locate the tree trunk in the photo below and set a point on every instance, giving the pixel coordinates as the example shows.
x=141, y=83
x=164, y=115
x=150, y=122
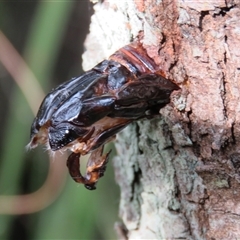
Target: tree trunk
x=179, y=172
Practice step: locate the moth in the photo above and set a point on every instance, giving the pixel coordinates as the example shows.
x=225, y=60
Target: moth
x=86, y=112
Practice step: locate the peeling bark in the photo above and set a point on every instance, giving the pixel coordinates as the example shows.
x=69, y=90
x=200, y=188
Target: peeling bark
x=179, y=173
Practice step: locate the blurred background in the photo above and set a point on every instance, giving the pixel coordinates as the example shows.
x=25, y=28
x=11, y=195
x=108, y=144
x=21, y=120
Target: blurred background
x=41, y=43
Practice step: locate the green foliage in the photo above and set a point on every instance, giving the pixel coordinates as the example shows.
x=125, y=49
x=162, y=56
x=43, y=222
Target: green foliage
x=77, y=213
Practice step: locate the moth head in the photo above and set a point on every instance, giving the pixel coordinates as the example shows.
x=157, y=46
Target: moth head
x=63, y=134
x=56, y=137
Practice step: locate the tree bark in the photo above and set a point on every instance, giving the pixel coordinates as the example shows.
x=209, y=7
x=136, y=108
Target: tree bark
x=179, y=172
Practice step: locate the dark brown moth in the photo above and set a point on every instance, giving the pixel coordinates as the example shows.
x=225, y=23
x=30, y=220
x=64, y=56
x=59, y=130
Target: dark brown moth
x=84, y=113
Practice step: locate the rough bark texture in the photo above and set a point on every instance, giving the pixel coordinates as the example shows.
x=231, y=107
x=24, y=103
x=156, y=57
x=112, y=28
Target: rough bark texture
x=179, y=173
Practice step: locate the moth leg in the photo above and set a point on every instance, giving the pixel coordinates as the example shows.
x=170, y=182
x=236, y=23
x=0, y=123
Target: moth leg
x=96, y=167
x=74, y=168
x=108, y=134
